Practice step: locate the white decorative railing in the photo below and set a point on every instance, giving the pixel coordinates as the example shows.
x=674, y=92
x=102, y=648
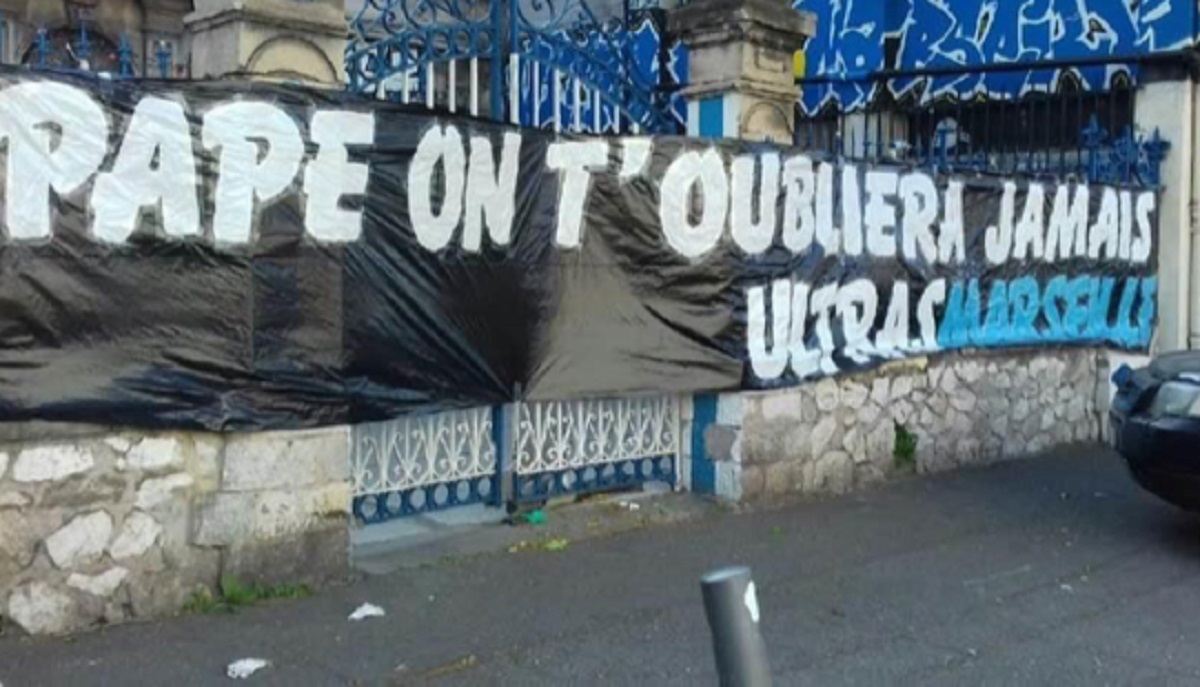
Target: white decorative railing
x=418, y=464
x=563, y=435
x=412, y=452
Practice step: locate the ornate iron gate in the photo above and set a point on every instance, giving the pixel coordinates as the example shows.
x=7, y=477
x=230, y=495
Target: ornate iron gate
x=542, y=63
x=425, y=463
x=573, y=447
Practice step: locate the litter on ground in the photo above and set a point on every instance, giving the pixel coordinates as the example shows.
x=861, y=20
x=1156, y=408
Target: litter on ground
x=244, y=668
x=366, y=611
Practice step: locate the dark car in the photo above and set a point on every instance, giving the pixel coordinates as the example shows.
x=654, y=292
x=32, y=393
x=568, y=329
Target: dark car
x=1155, y=420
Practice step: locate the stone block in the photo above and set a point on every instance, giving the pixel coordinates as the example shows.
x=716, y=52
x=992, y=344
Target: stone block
x=969, y=451
x=19, y=537
x=868, y=415
x=729, y=481
x=103, y=585
x=798, y=446
x=765, y=443
x=119, y=444
x=314, y=557
x=163, y=593
x=881, y=391
x=1048, y=421
x=14, y=499
x=40, y=608
x=934, y=376
x=719, y=442
x=1021, y=410
x=156, y=491
x=205, y=463
x=94, y=489
x=81, y=541
x=854, y=444
x=284, y=460
x=998, y=424
x=52, y=463
x=881, y=443
x=949, y=382
x=963, y=400
x=901, y=411
x=731, y=409
x=1076, y=409
x=854, y=395
x=828, y=395
x=235, y=518
x=138, y=535
x=155, y=454
x=782, y=478
x=3, y=464
x=970, y=371
x=928, y=417
x=824, y=434
x=781, y=405
x=939, y=404
x=834, y=472
x=808, y=408
x=754, y=481
x=902, y=386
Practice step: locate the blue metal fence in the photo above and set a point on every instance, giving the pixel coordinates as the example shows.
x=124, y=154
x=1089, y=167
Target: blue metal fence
x=1064, y=132
x=81, y=50
x=553, y=65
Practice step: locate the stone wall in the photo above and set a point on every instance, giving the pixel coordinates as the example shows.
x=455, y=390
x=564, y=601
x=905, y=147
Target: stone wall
x=838, y=434
x=102, y=528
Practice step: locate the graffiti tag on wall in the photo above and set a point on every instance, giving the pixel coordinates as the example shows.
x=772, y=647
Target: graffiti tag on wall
x=859, y=37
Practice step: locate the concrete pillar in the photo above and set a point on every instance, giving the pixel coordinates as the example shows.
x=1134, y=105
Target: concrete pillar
x=742, y=66
x=303, y=40
x=1172, y=106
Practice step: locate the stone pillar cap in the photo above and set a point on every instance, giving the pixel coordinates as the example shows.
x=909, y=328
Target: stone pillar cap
x=315, y=16
x=768, y=23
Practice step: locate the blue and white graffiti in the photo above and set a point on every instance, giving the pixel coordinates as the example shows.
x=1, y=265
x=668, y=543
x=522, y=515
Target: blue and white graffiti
x=852, y=37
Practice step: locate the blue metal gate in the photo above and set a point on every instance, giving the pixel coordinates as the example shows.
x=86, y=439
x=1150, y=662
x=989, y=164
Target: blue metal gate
x=542, y=63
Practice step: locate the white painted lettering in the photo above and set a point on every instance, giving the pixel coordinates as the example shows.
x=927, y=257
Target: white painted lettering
x=331, y=176
x=154, y=169
x=706, y=173
x=575, y=160
x=246, y=172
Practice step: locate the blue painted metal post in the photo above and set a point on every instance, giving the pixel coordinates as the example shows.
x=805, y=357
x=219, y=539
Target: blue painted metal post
x=503, y=421
x=84, y=52
x=125, y=58
x=496, y=76
x=704, y=470
x=163, y=53
x=3, y=33
x=43, y=48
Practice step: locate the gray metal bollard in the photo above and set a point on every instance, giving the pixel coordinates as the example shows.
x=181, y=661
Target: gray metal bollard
x=731, y=604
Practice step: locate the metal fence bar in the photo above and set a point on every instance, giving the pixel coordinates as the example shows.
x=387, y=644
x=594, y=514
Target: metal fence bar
x=474, y=86
x=1053, y=129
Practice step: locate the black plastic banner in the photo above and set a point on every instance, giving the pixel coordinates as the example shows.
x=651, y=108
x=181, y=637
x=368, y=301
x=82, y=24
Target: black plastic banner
x=248, y=256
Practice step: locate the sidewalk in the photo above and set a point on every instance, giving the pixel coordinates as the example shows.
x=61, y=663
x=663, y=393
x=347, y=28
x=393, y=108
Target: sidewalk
x=1050, y=571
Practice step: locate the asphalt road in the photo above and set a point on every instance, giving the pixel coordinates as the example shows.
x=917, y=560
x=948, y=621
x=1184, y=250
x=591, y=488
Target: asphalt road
x=1053, y=571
